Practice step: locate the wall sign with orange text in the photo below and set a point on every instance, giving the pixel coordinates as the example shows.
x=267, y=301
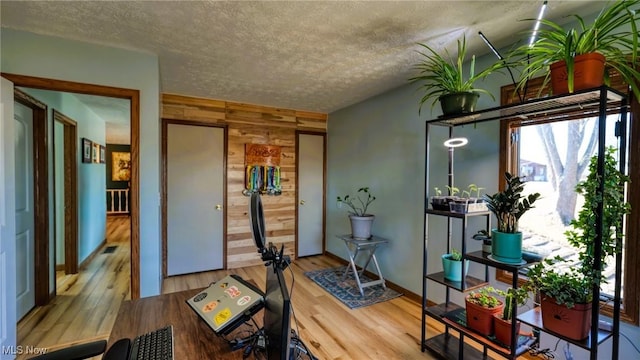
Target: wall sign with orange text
x=262, y=169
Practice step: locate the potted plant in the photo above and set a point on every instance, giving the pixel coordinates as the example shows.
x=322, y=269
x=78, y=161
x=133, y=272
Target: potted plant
x=566, y=297
x=361, y=221
x=439, y=202
x=578, y=57
x=484, y=236
x=502, y=322
x=443, y=79
x=480, y=307
x=475, y=188
x=467, y=203
x=452, y=266
x=459, y=204
x=508, y=206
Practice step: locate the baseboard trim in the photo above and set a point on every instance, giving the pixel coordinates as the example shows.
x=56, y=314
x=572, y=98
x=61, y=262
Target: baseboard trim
x=391, y=285
x=59, y=267
x=95, y=252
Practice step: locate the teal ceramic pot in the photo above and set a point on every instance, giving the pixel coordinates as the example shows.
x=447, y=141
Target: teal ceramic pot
x=453, y=269
x=506, y=247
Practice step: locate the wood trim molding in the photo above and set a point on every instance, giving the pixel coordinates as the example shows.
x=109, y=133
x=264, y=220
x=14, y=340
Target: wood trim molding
x=630, y=311
x=71, y=191
x=93, y=254
x=164, y=189
x=631, y=304
x=324, y=185
x=133, y=96
x=40, y=197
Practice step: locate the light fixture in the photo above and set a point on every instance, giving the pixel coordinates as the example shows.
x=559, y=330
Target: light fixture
x=537, y=26
x=456, y=142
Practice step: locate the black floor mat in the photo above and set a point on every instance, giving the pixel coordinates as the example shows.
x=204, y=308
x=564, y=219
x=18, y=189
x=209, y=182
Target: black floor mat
x=110, y=249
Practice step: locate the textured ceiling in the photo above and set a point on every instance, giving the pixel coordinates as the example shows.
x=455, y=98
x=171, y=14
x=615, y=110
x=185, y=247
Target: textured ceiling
x=317, y=56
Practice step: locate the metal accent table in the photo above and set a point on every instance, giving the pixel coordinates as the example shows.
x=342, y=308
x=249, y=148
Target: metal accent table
x=369, y=246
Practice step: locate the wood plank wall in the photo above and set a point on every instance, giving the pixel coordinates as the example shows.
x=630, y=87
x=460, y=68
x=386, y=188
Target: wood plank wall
x=255, y=124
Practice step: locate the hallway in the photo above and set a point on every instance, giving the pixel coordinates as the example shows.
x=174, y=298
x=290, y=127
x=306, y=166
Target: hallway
x=87, y=303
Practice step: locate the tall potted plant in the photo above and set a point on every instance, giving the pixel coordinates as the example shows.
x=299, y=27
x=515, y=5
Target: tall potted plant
x=502, y=322
x=358, y=204
x=579, y=57
x=443, y=79
x=570, y=293
x=508, y=206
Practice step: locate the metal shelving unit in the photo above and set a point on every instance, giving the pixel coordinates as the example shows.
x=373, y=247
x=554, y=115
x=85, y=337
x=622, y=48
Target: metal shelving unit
x=597, y=102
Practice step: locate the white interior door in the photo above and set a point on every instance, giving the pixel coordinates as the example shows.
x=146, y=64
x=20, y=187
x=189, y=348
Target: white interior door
x=7, y=224
x=25, y=241
x=195, y=185
x=310, y=194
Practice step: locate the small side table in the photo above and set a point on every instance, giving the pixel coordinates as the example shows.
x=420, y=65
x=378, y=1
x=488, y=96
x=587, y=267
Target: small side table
x=369, y=246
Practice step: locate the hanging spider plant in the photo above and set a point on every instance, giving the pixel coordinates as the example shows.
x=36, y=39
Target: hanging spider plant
x=443, y=75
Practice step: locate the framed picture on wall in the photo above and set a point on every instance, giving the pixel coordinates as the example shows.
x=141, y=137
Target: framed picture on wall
x=103, y=151
x=121, y=166
x=96, y=153
x=87, y=146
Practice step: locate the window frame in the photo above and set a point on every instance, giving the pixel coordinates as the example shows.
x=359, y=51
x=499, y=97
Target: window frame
x=629, y=311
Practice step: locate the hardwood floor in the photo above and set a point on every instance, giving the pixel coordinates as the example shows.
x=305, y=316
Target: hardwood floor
x=87, y=303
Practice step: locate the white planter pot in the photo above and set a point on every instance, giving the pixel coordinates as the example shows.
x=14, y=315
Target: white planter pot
x=361, y=226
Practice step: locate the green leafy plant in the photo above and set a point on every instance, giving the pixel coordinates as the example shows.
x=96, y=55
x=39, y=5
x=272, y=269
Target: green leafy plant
x=513, y=297
x=482, y=234
x=476, y=188
x=568, y=288
x=576, y=284
x=359, y=202
x=455, y=255
x=509, y=205
x=452, y=190
x=484, y=297
x=442, y=75
x=437, y=191
x=607, y=35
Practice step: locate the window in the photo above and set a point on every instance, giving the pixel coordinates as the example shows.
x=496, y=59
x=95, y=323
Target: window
x=553, y=157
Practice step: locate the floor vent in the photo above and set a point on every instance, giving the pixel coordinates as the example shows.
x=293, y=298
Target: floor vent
x=110, y=249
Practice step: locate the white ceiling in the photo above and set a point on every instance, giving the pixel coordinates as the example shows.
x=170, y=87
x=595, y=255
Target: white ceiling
x=115, y=112
x=309, y=55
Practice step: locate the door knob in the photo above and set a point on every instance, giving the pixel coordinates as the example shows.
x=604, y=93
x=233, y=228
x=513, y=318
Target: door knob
x=218, y=207
x=301, y=202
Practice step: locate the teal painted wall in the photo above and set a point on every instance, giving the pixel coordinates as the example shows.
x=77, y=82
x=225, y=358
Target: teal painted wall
x=50, y=57
x=380, y=143
x=91, y=176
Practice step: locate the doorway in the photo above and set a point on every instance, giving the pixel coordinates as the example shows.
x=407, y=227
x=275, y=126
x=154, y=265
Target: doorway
x=65, y=142
x=134, y=97
x=32, y=203
x=194, y=181
x=310, y=158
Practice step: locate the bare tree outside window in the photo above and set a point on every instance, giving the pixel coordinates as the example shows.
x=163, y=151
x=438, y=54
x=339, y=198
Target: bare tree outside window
x=564, y=174
x=553, y=158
